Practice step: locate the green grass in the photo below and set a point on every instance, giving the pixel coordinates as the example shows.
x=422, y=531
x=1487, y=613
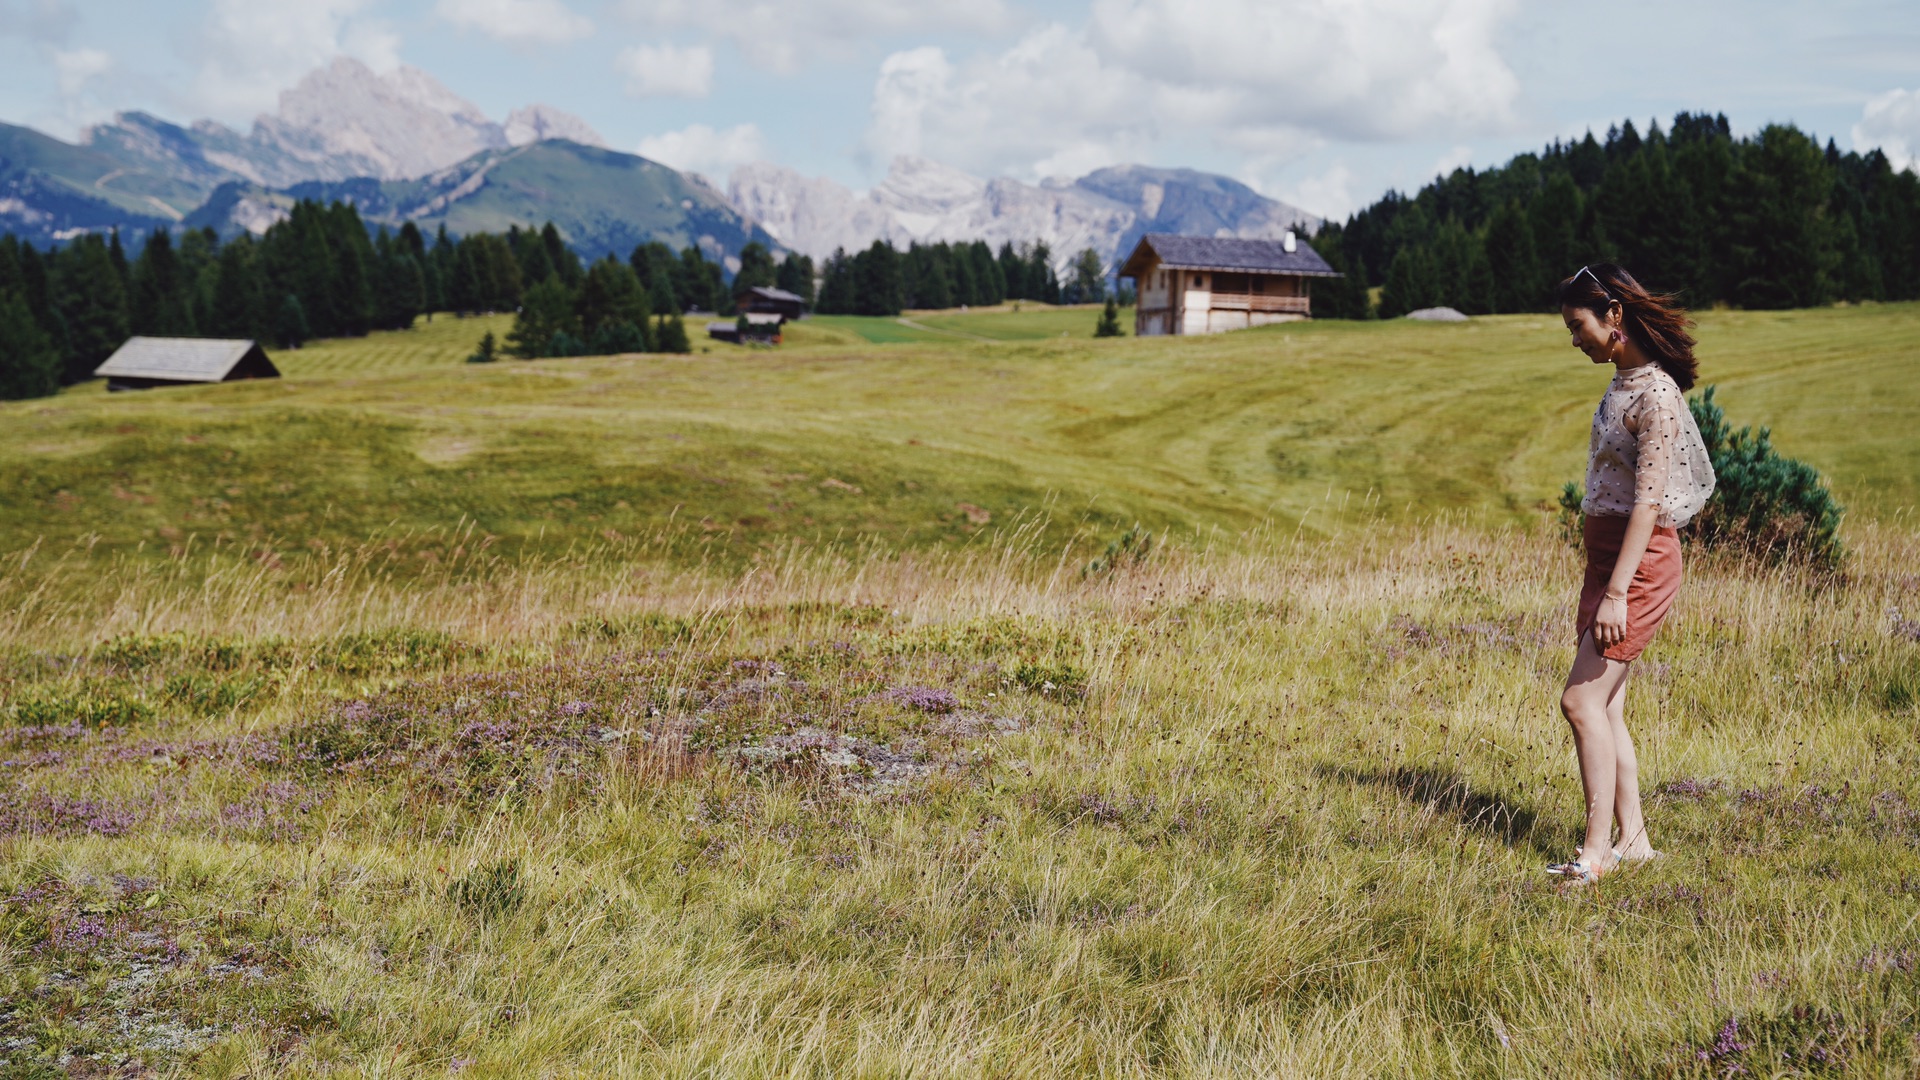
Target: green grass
x=1033, y=322
x=1307, y=424
x=799, y=712
x=441, y=342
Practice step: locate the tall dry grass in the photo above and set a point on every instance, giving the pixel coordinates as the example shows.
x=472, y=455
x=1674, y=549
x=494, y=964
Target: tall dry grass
x=1274, y=808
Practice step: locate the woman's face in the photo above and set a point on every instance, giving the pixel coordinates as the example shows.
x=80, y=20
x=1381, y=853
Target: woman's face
x=1592, y=334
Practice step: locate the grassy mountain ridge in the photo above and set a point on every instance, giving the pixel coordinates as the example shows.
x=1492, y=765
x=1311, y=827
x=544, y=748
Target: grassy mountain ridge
x=48, y=187
x=602, y=201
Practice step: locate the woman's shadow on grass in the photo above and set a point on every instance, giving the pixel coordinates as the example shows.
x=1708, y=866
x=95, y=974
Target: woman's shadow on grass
x=1445, y=792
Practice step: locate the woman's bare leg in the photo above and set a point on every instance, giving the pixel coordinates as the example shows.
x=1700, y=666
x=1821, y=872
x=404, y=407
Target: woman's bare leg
x=1593, y=685
x=1626, y=781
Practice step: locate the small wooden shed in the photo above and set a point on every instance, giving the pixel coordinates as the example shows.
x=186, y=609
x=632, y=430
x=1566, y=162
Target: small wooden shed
x=766, y=300
x=1210, y=284
x=145, y=362
x=761, y=328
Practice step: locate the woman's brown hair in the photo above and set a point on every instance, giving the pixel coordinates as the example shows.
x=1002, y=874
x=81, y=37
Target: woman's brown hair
x=1654, y=321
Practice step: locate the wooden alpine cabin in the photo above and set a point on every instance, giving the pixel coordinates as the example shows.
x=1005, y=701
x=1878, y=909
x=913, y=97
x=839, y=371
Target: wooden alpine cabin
x=766, y=300
x=1208, y=285
x=145, y=362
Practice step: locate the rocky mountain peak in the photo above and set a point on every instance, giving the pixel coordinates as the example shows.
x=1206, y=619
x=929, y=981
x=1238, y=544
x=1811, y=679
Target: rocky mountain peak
x=538, y=123
x=1107, y=210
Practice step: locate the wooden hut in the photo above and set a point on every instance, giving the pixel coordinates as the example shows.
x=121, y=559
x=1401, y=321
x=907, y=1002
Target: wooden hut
x=1207, y=284
x=762, y=328
x=145, y=362
x=765, y=300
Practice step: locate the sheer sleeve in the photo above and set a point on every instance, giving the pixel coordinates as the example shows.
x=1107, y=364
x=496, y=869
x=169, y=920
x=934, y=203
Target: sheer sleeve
x=1658, y=431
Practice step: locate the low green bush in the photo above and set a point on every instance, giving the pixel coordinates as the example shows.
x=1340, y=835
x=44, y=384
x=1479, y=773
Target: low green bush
x=1765, y=504
x=92, y=708
x=1770, y=505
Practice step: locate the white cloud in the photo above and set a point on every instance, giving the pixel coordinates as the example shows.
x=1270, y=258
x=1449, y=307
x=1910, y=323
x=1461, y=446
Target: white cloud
x=521, y=22
x=699, y=148
x=77, y=67
x=785, y=36
x=667, y=70
x=1329, y=194
x=1047, y=106
x=1271, y=79
x=250, y=50
x=1891, y=122
x=1456, y=158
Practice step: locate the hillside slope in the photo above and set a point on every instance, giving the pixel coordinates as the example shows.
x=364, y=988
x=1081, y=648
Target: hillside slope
x=1302, y=424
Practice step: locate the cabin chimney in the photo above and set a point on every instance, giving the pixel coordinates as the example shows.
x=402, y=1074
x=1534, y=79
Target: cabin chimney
x=1289, y=243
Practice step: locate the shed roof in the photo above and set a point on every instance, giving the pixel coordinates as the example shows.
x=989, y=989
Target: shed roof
x=1229, y=254
x=771, y=293
x=205, y=360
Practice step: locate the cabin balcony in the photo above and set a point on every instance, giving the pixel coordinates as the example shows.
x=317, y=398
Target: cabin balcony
x=1258, y=302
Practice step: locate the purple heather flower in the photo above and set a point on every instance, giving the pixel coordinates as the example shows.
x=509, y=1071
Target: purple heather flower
x=924, y=698
x=1726, y=1044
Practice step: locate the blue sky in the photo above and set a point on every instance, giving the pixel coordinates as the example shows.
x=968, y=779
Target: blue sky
x=1326, y=103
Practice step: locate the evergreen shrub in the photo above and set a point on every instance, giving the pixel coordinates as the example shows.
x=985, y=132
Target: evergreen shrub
x=1768, y=504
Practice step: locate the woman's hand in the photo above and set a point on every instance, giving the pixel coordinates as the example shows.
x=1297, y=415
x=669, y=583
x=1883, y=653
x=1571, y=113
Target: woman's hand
x=1610, y=623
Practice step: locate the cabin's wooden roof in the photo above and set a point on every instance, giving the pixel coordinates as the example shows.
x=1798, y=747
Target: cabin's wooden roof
x=200, y=360
x=1225, y=254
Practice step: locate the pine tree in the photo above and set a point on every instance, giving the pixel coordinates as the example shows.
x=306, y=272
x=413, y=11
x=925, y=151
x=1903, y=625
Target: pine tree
x=117, y=255
x=757, y=269
x=487, y=352
x=1511, y=260
x=290, y=326
x=1786, y=255
x=1042, y=284
x=1553, y=215
x=1013, y=273
x=238, y=308
x=29, y=363
x=546, y=312
x=560, y=256
x=1344, y=297
x=694, y=286
x=876, y=280
x=1109, y=325
x=655, y=264
x=1411, y=283
x=89, y=296
x=796, y=276
x=1089, y=285
x=442, y=268
x=670, y=335
x=991, y=283
x=836, y=285
x=162, y=304
x=611, y=295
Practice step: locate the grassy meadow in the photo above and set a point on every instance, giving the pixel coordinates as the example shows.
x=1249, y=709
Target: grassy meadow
x=1014, y=707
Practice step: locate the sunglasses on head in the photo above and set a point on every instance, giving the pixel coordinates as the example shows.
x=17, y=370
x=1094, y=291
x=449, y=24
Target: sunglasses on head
x=1604, y=291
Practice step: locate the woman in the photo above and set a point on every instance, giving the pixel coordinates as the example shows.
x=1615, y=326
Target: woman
x=1647, y=475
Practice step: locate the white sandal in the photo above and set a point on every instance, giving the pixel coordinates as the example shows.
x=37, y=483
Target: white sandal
x=1577, y=872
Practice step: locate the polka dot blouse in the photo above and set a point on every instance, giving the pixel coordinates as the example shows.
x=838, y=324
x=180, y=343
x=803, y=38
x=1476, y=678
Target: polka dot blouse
x=1646, y=448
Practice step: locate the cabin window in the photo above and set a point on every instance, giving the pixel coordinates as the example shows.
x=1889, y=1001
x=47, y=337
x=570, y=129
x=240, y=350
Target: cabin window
x=1230, y=283
x=1259, y=285
x=1199, y=281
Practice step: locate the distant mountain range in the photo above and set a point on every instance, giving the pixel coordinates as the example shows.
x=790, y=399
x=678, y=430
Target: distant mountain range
x=1107, y=210
x=402, y=146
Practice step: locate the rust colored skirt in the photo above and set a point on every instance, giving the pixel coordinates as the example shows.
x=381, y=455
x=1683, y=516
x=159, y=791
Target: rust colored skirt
x=1654, y=583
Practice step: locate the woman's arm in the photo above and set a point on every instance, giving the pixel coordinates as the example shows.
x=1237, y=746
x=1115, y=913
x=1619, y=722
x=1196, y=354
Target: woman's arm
x=1610, y=624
